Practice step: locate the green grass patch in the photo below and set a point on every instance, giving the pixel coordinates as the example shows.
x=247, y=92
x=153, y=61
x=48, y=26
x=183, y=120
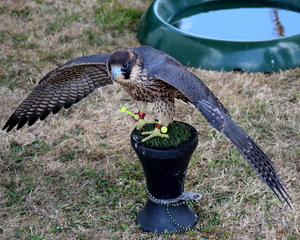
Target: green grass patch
x=112, y=15
x=15, y=193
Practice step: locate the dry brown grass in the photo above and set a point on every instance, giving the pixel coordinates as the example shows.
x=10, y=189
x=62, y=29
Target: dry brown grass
x=75, y=176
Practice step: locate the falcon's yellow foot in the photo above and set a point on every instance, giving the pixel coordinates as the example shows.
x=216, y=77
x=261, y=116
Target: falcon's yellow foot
x=155, y=133
x=141, y=123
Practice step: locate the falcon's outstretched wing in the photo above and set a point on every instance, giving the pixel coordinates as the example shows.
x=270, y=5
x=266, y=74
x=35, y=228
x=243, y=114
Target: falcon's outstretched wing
x=217, y=115
x=62, y=87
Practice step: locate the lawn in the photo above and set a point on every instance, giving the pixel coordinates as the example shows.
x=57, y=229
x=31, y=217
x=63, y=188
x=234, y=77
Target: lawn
x=75, y=175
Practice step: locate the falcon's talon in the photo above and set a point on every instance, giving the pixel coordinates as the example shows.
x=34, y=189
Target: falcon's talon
x=155, y=133
x=140, y=124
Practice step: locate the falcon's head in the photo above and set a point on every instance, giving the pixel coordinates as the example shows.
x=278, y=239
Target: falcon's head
x=124, y=65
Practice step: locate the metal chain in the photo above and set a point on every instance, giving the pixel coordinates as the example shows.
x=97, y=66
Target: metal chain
x=214, y=216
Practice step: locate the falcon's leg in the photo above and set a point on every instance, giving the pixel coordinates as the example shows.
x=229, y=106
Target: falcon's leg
x=141, y=122
x=165, y=112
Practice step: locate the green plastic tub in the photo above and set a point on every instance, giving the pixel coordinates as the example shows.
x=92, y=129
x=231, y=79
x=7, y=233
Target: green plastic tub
x=156, y=29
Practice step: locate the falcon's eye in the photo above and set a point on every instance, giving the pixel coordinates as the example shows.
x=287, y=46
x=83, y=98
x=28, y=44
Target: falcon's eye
x=125, y=65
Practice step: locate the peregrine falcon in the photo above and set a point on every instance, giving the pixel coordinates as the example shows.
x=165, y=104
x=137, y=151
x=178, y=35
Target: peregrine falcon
x=148, y=75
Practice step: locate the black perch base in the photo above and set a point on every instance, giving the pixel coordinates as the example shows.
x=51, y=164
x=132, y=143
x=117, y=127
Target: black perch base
x=165, y=170
x=160, y=217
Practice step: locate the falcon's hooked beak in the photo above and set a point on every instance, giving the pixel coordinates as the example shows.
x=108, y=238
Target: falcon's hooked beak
x=115, y=72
